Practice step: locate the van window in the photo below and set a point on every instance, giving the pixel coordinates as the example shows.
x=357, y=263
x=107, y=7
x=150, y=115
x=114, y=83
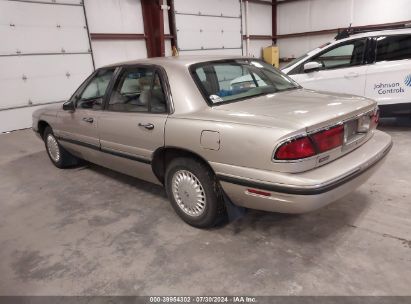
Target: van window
x=394, y=48
x=343, y=55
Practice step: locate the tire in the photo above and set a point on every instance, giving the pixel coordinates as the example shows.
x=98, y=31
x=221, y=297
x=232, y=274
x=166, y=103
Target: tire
x=59, y=156
x=186, y=179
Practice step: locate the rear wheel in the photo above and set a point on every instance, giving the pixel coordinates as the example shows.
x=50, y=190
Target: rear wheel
x=194, y=193
x=59, y=156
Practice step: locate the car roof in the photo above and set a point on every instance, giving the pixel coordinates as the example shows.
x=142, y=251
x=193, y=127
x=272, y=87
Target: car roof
x=181, y=60
x=381, y=33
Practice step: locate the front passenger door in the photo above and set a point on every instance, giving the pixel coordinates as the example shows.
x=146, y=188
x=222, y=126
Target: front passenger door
x=77, y=130
x=343, y=69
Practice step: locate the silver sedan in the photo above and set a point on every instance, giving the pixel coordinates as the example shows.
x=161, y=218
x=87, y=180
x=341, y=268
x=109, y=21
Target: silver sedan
x=216, y=131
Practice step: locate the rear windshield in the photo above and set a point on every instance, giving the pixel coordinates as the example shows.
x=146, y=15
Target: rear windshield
x=234, y=80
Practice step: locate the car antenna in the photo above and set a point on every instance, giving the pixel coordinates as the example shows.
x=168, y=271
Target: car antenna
x=345, y=33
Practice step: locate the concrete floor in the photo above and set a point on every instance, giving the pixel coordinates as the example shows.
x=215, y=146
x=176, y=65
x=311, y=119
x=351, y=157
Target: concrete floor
x=91, y=231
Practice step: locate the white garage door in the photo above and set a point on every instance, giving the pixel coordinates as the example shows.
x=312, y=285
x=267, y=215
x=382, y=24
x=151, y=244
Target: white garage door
x=125, y=17
x=44, y=56
x=208, y=27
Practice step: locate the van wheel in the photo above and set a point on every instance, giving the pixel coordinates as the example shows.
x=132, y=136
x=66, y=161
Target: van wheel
x=59, y=156
x=194, y=193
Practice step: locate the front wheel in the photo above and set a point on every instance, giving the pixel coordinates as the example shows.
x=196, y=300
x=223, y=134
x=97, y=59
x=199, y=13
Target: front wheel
x=59, y=156
x=194, y=193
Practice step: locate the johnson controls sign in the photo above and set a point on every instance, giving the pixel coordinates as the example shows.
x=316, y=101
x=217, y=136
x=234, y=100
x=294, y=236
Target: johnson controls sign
x=407, y=81
x=392, y=87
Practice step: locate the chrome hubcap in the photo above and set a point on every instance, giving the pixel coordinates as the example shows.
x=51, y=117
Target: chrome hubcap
x=53, y=148
x=188, y=193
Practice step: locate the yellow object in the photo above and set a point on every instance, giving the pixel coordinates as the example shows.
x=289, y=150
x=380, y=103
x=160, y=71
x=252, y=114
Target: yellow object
x=174, y=51
x=271, y=55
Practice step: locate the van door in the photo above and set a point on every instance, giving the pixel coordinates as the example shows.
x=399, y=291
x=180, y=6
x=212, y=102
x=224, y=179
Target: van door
x=343, y=69
x=389, y=78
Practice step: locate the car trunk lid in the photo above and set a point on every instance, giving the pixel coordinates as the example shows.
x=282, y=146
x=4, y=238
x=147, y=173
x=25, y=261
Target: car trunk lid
x=305, y=113
x=298, y=109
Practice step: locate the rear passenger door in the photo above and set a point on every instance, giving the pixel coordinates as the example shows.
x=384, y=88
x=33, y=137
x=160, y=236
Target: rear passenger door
x=389, y=78
x=343, y=71
x=132, y=126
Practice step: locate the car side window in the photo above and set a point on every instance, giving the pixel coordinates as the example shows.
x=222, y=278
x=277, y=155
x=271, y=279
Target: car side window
x=138, y=90
x=158, y=102
x=92, y=95
x=393, y=48
x=344, y=55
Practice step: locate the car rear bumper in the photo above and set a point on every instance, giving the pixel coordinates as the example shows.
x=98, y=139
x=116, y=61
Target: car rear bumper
x=306, y=191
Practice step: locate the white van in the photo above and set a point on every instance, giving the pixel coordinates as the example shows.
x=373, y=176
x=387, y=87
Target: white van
x=372, y=64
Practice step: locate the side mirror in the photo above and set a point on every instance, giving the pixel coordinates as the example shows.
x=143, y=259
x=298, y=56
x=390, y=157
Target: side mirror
x=69, y=106
x=312, y=66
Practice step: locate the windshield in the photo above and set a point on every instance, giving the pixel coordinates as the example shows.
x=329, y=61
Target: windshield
x=233, y=80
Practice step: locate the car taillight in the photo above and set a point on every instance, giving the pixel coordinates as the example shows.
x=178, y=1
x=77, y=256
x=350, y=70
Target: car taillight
x=296, y=149
x=375, y=118
x=329, y=139
x=311, y=145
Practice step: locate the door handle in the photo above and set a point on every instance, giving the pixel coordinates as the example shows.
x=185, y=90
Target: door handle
x=148, y=126
x=88, y=119
x=351, y=75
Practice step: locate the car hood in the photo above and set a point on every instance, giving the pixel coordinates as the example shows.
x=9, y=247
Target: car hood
x=295, y=109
